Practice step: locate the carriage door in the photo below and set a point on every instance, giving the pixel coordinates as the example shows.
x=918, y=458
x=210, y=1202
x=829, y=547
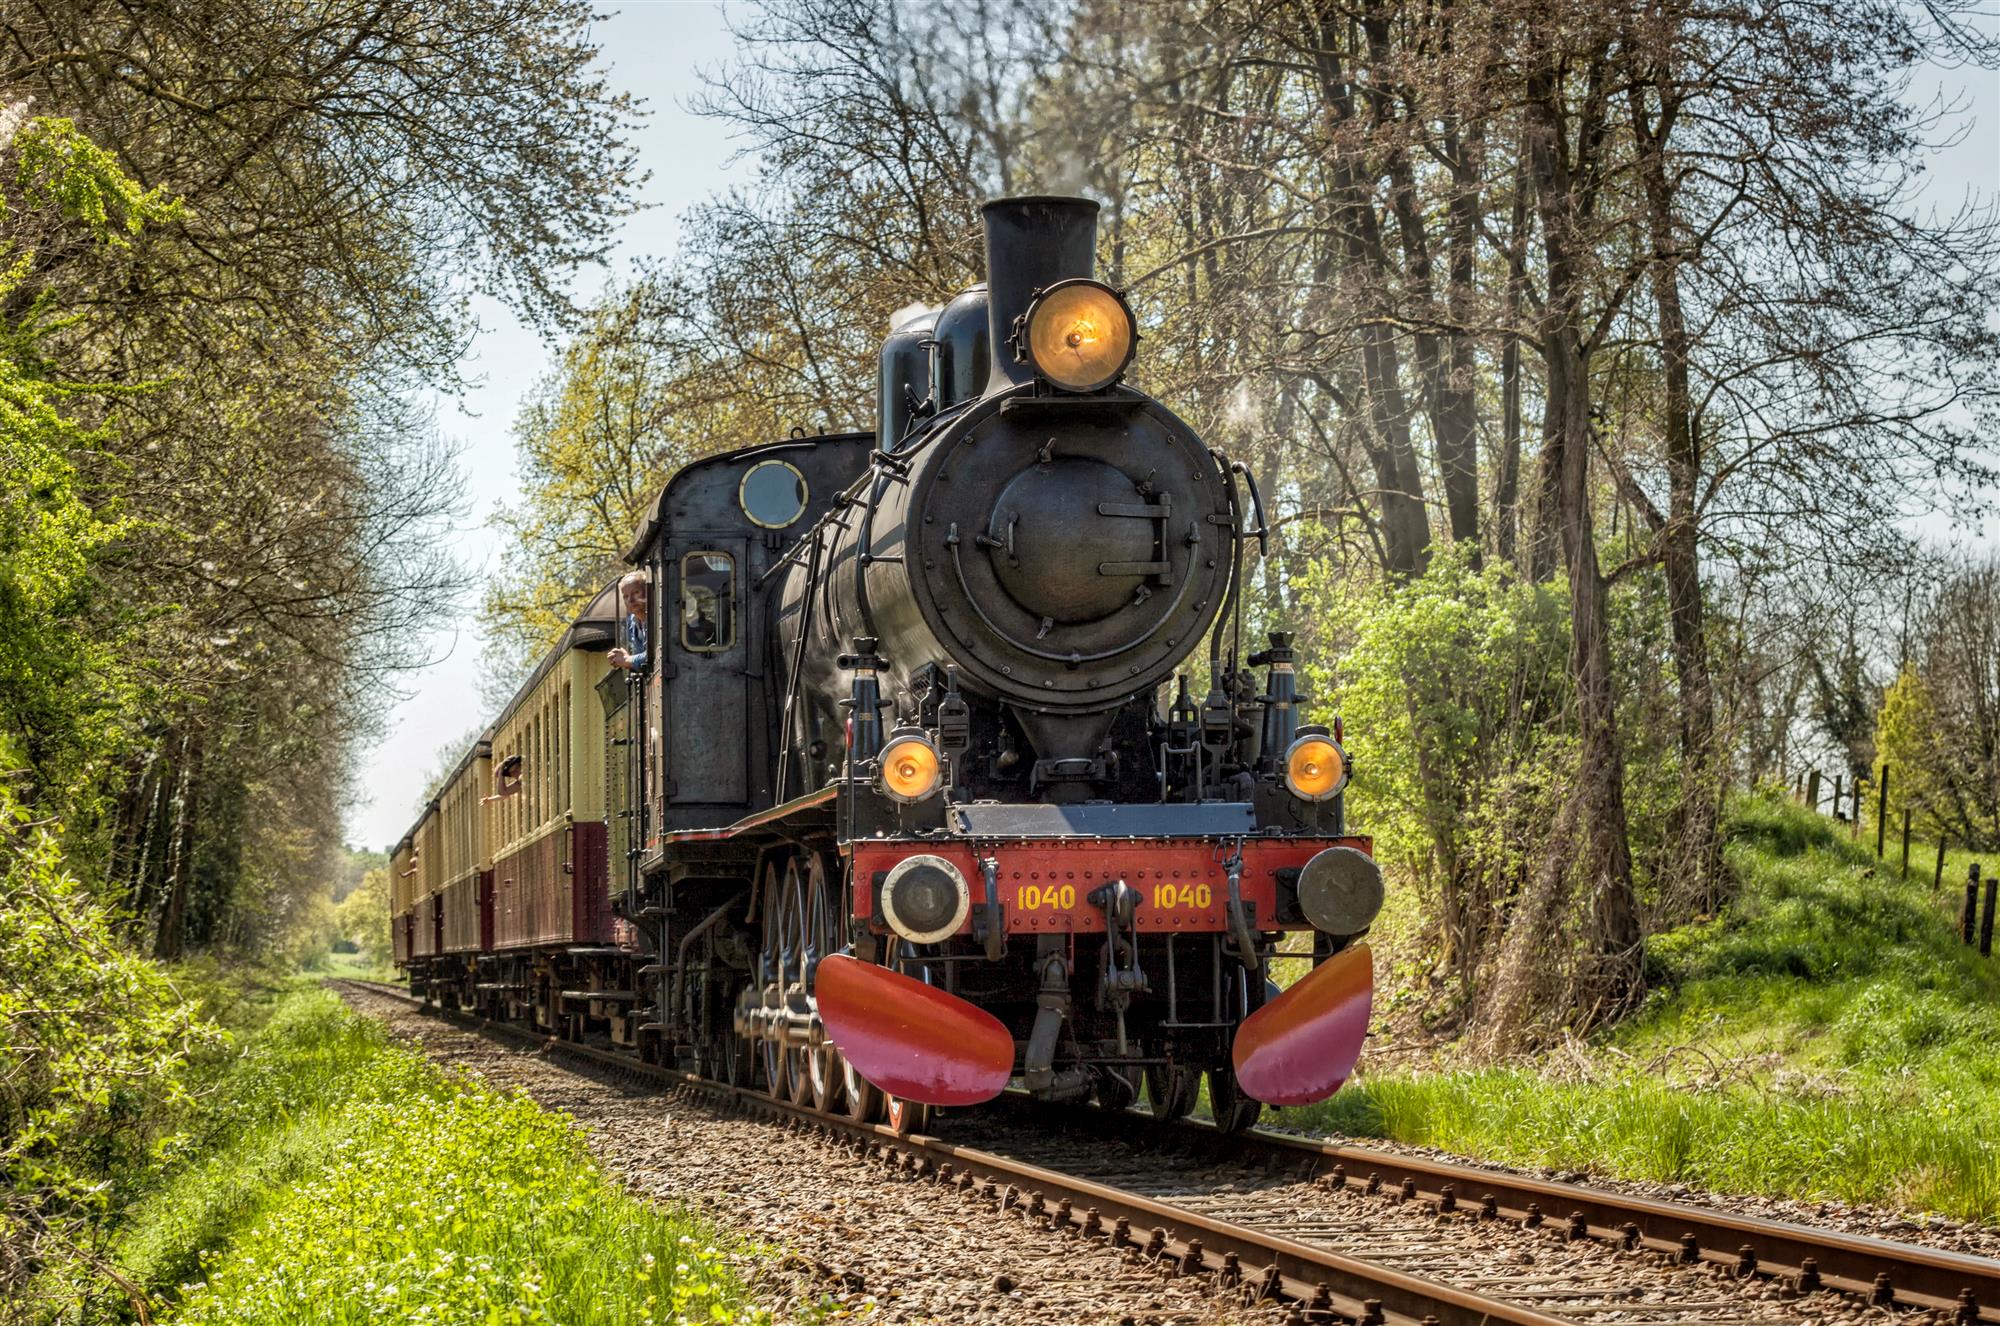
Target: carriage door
x=708, y=691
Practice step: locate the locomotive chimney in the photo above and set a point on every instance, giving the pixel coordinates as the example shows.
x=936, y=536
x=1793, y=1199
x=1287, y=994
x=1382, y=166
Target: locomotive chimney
x=1031, y=243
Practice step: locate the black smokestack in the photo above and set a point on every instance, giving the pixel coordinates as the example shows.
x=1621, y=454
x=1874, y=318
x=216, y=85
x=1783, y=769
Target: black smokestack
x=1031, y=243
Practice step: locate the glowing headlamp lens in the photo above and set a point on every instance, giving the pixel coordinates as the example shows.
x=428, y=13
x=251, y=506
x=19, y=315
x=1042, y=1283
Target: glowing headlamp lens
x=1080, y=335
x=910, y=769
x=1315, y=768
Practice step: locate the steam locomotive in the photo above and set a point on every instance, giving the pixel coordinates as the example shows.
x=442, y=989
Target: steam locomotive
x=914, y=797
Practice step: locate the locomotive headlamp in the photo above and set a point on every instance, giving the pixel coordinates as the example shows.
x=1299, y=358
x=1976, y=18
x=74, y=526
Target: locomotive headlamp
x=1315, y=767
x=910, y=767
x=925, y=899
x=1079, y=335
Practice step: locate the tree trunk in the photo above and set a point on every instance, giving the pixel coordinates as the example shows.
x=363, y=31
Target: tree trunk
x=1405, y=521
x=1443, y=359
x=1507, y=494
x=180, y=853
x=1595, y=809
x=1698, y=815
x=1458, y=405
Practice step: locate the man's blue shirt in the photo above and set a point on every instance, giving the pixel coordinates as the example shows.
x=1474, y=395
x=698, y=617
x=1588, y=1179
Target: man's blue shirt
x=635, y=642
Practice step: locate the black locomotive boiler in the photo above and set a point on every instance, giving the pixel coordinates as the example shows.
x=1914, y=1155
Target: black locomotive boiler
x=948, y=770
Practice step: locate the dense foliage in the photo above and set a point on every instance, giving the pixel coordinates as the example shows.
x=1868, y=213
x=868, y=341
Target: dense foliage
x=362, y=919
x=242, y=342
x=94, y=1041
x=235, y=243
x=1939, y=721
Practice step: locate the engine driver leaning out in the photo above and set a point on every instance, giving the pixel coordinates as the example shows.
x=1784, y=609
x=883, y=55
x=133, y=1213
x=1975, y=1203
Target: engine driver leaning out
x=633, y=656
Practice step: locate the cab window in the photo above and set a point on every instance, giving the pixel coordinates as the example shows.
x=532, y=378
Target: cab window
x=708, y=601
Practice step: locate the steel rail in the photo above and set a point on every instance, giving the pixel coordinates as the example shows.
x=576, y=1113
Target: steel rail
x=1880, y=1271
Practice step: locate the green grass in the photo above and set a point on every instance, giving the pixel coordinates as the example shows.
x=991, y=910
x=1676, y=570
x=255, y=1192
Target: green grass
x=335, y=1178
x=1826, y=1037
x=357, y=967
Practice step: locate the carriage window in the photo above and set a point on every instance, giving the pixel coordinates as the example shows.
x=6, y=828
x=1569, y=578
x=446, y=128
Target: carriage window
x=708, y=600
x=773, y=494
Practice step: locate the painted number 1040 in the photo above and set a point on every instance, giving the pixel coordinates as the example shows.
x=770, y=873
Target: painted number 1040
x=1175, y=894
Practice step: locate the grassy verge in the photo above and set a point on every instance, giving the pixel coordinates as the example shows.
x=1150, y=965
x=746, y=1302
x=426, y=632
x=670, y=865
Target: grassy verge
x=357, y=967
x=1827, y=1036
x=336, y=1178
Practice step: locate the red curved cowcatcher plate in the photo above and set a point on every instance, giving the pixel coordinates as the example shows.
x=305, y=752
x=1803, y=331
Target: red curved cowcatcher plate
x=1301, y=1046
x=910, y=1039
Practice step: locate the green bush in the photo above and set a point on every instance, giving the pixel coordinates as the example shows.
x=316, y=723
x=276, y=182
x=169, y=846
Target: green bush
x=94, y=1054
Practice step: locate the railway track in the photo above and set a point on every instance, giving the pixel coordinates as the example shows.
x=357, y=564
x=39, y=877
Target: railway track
x=1198, y=1201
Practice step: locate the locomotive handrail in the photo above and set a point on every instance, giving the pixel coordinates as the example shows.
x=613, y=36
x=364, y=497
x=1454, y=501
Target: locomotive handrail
x=1263, y=529
x=864, y=547
x=798, y=664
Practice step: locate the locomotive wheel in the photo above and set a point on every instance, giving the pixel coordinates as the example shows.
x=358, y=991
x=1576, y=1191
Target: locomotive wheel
x=771, y=971
x=1171, y=1091
x=862, y=1098
x=905, y=1116
x=735, y=1058
x=1233, y=1110
x=824, y=1081
x=794, y=925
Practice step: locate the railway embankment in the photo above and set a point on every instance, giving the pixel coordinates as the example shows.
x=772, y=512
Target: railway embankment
x=331, y=1174
x=1825, y=1040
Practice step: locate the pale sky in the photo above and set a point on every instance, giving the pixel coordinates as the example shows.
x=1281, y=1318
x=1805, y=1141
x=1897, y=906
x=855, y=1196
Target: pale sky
x=656, y=49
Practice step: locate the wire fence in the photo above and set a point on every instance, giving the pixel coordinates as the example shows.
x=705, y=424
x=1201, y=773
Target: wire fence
x=1848, y=796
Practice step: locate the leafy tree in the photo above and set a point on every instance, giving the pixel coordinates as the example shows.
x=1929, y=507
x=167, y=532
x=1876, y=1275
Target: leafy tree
x=363, y=917
x=597, y=438
x=243, y=358
x=1939, y=723
x=1447, y=685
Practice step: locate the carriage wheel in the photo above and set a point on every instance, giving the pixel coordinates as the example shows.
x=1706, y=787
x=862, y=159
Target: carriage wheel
x=825, y=902
x=1171, y=1091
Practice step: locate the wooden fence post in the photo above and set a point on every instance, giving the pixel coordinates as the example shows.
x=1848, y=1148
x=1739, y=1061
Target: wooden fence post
x=1881, y=810
x=1812, y=790
x=1906, y=841
x=1838, y=790
x=1986, y=920
x=1970, y=916
x=1937, y=876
